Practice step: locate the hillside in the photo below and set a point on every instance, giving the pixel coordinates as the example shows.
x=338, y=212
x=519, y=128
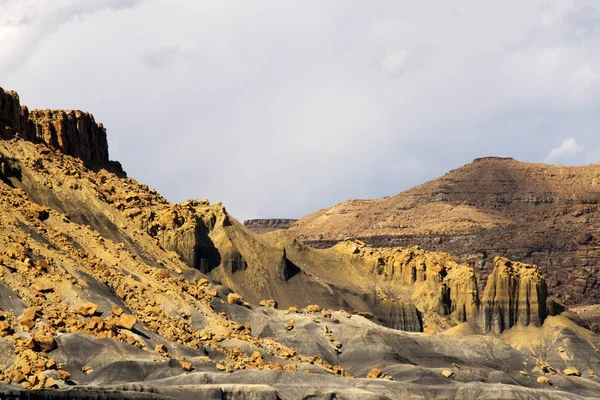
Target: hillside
x=107, y=290
x=539, y=214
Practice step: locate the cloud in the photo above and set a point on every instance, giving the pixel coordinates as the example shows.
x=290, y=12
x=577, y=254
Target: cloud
x=160, y=57
x=25, y=24
x=568, y=148
x=280, y=108
x=392, y=64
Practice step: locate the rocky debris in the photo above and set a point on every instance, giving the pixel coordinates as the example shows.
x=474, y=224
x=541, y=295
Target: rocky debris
x=515, y=293
x=571, y=372
x=289, y=325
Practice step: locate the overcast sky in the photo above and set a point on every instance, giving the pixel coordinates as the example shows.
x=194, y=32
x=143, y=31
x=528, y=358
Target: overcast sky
x=280, y=108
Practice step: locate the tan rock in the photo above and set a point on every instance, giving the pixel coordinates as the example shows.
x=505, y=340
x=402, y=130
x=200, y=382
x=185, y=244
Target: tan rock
x=5, y=328
x=294, y=309
x=289, y=325
x=50, y=383
x=117, y=311
x=268, y=303
x=64, y=375
x=88, y=309
x=234, y=298
x=571, y=372
x=375, y=373
x=203, y=282
x=126, y=321
x=447, y=373
x=45, y=342
x=314, y=308
x=186, y=365
x=152, y=310
x=543, y=379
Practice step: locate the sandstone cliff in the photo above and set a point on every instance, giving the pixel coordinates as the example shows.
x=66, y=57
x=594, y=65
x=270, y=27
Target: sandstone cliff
x=514, y=293
x=72, y=132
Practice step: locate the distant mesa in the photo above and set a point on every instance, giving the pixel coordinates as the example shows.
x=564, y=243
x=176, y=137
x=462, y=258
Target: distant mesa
x=269, y=225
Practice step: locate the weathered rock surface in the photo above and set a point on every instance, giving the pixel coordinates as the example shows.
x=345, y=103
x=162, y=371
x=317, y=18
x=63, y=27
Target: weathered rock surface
x=268, y=225
x=536, y=213
x=514, y=293
x=72, y=132
x=102, y=295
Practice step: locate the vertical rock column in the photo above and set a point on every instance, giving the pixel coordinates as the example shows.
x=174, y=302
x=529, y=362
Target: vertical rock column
x=514, y=293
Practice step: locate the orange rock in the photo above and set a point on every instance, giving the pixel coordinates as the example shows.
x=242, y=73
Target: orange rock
x=64, y=375
x=88, y=309
x=45, y=342
x=117, y=311
x=268, y=303
x=234, y=298
x=126, y=321
x=313, y=308
x=289, y=325
x=375, y=373
x=186, y=365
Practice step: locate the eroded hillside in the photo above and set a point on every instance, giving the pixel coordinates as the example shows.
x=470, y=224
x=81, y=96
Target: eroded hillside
x=107, y=290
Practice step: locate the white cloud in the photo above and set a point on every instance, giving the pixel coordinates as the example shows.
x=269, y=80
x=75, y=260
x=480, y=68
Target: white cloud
x=392, y=64
x=25, y=24
x=279, y=108
x=568, y=148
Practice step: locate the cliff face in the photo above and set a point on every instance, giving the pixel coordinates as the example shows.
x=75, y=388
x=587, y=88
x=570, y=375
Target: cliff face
x=10, y=113
x=536, y=213
x=268, y=225
x=72, y=132
x=515, y=293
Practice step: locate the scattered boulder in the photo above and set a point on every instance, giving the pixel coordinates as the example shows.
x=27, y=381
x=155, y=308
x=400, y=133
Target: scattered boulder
x=268, y=303
x=88, y=309
x=314, y=308
x=289, y=325
x=375, y=373
x=186, y=365
x=234, y=298
x=447, y=373
x=571, y=372
x=126, y=321
x=64, y=375
x=543, y=379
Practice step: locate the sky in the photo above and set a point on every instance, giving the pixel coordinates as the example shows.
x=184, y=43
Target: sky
x=281, y=108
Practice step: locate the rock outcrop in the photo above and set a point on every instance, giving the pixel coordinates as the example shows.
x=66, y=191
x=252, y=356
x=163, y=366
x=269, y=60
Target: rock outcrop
x=514, y=293
x=72, y=132
x=268, y=225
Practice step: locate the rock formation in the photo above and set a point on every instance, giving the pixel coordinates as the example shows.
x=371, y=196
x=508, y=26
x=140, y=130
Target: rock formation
x=536, y=213
x=72, y=132
x=107, y=290
x=268, y=225
x=514, y=293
